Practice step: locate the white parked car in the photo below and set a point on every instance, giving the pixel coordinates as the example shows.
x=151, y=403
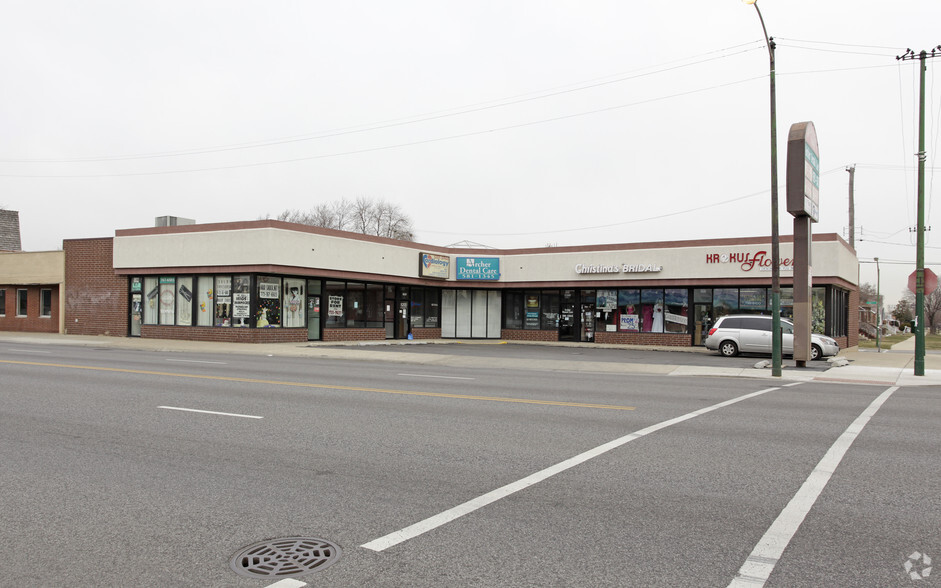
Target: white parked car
x=751, y=333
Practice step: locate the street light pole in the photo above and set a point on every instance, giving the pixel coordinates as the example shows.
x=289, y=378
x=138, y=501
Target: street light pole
x=775, y=237
x=878, y=307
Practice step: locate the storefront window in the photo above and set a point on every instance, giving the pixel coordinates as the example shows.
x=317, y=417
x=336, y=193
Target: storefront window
x=167, y=300
x=787, y=303
x=184, y=301
x=151, y=301
x=241, y=301
x=606, y=306
x=292, y=307
x=651, y=310
x=550, y=311
x=513, y=310
x=375, y=315
x=753, y=299
x=676, y=310
x=531, y=318
x=223, y=301
x=432, y=308
x=724, y=301
x=417, y=311
x=818, y=309
x=268, y=314
x=629, y=310
x=356, y=304
x=335, y=293
x=702, y=295
x=205, y=307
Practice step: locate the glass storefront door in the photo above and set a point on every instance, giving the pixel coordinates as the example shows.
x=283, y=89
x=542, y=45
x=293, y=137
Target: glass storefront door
x=567, y=322
x=702, y=322
x=313, y=310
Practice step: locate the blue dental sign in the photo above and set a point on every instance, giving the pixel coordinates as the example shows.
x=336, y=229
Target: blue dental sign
x=478, y=268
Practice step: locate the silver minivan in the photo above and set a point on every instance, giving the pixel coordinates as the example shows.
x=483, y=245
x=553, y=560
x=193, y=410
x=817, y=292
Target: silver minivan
x=751, y=333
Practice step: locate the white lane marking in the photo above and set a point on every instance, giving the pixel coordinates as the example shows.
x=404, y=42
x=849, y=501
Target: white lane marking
x=196, y=361
x=470, y=506
x=433, y=376
x=287, y=583
x=28, y=351
x=231, y=414
x=760, y=563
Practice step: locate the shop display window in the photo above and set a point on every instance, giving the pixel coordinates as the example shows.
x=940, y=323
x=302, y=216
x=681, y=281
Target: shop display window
x=753, y=299
x=417, y=307
x=222, y=297
x=549, y=306
x=292, y=310
x=651, y=310
x=531, y=318
x=724, y=301
x=356, y=304
x=629, y=310
x=184, y=301
x=375, y=306
x=676, y=310
x=606, y=310
x=432, y=307
x=513, y=310
x=334, y=293
x=151, y=300
x=241, y=301
x=167, y=300
x=204, y=300
x=268, y=313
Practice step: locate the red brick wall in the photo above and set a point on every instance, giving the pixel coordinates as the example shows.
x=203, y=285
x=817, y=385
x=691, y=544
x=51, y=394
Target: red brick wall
x=224, y=334
x=96, y=299
x=354, y=334
x=32, y=322
x=529, y=335
x=666, y=339
x=852, y=323
x=426, y=333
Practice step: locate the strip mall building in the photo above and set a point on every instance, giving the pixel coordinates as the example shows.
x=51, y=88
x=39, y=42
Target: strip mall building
x=270, y=281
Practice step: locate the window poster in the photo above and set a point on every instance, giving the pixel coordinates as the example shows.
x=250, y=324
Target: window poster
x=606, y=300
x=335, y=306
x=204, y=311
x=223, y=298
x=241, y=308
x=152, y=299
x=630, y=322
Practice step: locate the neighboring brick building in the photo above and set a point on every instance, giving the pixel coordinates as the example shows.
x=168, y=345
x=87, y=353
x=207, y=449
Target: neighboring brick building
x=96, y=299
x=30, y=287
x=10, y=230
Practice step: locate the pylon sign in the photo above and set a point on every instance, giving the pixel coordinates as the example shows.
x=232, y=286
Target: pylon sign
x=803, y=171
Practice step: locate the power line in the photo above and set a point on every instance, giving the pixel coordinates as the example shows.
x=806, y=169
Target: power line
x=394, y=146
x=435, y=115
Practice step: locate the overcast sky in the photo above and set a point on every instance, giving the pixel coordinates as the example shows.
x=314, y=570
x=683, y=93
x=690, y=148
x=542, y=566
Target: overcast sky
x=508, y=123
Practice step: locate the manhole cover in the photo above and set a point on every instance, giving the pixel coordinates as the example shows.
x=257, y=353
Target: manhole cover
x=286, y=557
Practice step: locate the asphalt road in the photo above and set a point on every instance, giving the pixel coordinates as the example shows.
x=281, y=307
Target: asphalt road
x=568, y=478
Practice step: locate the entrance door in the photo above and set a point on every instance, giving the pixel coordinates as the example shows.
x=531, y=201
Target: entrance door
x=401, y=320
x=389, y=317
x=587, y=328
x=313, y=317
x=136, y=314
x=702, y=322
x=567, y=321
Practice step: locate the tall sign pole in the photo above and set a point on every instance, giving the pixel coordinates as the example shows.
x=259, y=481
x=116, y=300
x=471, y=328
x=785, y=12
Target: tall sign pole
x=803, y=202
x=920, y=250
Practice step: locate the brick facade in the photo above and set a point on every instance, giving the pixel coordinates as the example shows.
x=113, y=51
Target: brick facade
x=529, y=335
x=96, y=299
x=31, y=322
x=224, y=334
x=664, y=339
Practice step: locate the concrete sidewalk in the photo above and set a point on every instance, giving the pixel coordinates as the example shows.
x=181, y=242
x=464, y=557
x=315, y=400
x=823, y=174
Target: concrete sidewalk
x=890, y=367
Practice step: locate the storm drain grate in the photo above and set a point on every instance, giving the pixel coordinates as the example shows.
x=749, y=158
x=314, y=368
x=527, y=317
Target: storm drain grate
x=286, y=557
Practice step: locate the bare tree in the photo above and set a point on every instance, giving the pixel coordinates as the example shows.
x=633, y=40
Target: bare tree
x=368, y=216
x=932, y=308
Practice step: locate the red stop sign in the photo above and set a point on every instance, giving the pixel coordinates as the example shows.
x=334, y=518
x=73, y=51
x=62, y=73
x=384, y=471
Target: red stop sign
x=931, y=281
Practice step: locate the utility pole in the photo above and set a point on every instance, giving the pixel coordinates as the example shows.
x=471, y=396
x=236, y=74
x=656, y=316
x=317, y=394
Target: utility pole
x=920, y=250
x=852, y=170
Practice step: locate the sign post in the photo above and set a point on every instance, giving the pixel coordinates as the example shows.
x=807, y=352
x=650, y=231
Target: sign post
x=803, y=202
